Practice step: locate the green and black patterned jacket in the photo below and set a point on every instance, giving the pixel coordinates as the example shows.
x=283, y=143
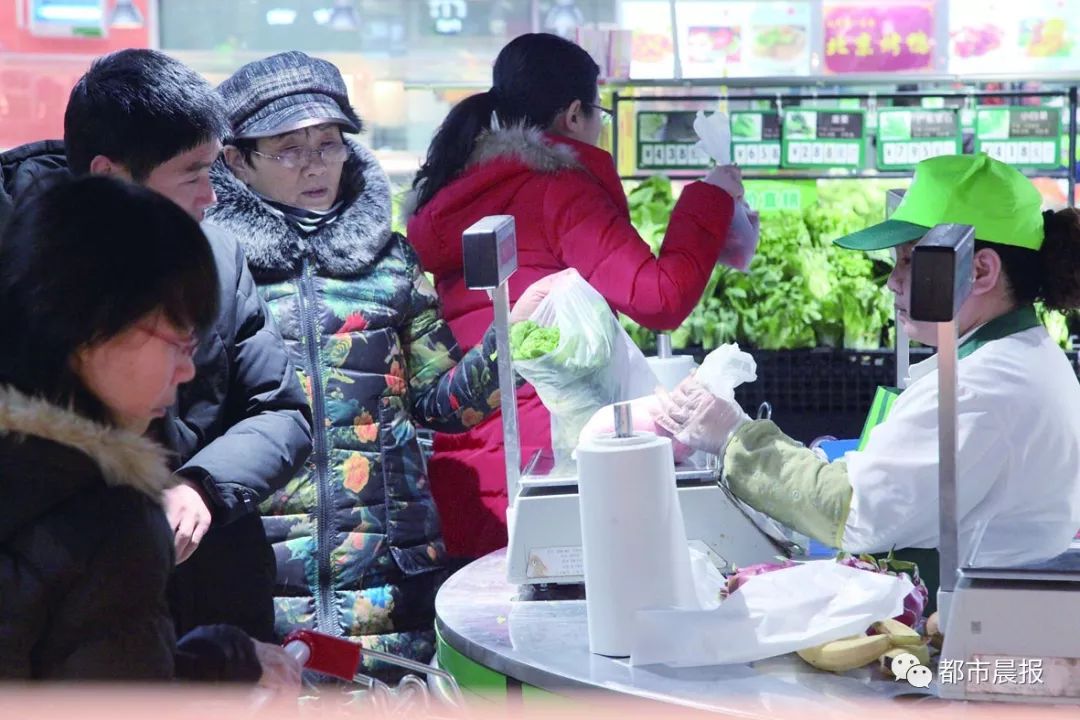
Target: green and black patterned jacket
x=356, y=533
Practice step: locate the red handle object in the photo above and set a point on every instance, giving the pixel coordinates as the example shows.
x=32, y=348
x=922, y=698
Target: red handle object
x=325, y=653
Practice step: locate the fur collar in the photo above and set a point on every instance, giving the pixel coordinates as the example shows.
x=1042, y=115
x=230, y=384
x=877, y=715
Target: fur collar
x=343, y=248
x=526, y=145
x=125, y=459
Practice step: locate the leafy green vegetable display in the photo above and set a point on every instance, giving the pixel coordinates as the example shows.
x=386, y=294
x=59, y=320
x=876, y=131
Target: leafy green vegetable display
x=801, y=291
x=529, y=341
x=651, y=202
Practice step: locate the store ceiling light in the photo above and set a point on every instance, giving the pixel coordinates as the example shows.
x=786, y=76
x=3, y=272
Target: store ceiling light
x=280, y=16
x=343, y=16
x=125, y=16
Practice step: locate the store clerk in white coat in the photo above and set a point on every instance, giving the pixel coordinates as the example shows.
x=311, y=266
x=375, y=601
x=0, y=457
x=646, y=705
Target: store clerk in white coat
x=1019, y=399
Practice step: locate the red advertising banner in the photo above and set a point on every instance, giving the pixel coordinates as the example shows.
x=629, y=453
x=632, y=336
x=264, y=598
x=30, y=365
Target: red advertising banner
x=45, y=47
x=879, y=38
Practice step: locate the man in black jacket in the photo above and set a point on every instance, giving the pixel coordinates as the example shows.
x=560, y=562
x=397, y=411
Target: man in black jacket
x=242, y=428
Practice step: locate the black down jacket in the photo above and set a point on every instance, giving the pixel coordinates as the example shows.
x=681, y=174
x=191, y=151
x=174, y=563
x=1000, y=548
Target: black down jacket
x=241, y=430
x=85, y=555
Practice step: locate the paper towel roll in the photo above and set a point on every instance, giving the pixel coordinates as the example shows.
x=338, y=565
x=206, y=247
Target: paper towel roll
x=633, y=538
x=671, y=371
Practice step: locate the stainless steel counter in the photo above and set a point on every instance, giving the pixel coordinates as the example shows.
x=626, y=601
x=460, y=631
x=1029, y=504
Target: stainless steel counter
x=541, y=638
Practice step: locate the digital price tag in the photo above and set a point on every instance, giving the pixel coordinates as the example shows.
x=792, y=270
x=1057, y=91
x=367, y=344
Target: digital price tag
x=755, y=139
x=907, y=136
x=667, y=141
x=1022, y=136
x=824, y=138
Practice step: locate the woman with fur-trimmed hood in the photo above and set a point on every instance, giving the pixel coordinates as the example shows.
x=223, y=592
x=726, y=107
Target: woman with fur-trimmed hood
x=356, y=534
x=527, y=148
x=105, y=290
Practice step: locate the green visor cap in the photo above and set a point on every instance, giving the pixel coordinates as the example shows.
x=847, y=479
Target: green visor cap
x=1002, y=205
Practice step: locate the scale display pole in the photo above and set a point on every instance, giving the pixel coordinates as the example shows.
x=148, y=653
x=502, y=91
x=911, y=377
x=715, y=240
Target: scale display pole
x=490, y=257
x=903, y=343
x=941, y=275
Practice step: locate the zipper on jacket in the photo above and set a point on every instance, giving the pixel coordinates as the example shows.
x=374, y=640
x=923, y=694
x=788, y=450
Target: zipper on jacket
x=326, y=617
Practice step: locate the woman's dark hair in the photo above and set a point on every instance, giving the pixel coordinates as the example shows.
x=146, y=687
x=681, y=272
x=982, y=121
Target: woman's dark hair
x=536, y=77
x=80, y=262
x=1052, y=274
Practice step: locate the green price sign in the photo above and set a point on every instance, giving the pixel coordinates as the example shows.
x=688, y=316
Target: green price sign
x=755, y=139
x=1023, y=136
x=667, y=141
x=906, y=136
x=824, y=139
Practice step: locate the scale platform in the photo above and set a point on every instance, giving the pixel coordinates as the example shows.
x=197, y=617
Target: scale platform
x=545, y=526
x=1012, y=633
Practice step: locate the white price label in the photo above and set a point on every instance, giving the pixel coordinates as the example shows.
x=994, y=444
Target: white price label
x=911, y=153
x=1027, y=152
x=555, y=562
x=763, y=154
x=823, y=153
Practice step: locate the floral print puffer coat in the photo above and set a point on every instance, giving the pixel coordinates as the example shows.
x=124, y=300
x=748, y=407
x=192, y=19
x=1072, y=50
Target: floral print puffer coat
x=356, y=534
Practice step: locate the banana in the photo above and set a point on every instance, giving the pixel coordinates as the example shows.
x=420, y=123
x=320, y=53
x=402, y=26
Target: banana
x=900, y=635
x=846, y=654
x=933, y=630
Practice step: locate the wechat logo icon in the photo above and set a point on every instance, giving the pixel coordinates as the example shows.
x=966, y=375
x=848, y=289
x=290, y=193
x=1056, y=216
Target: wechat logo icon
x=906, y=666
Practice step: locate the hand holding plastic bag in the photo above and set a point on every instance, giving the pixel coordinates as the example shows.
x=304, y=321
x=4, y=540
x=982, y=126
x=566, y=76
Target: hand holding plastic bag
x=594, y=363
x=697, y=418
x=714, y=133
x=702, y=412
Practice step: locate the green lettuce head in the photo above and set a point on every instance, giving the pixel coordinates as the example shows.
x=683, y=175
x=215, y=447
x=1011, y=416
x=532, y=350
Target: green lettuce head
x=529, y=340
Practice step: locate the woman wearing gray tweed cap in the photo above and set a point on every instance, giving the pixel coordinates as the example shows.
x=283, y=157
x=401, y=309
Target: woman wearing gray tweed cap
x=356, y=533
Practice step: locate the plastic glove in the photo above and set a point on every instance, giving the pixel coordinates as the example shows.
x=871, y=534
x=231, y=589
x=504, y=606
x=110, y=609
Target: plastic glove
x=696, y=417
x=728, y=178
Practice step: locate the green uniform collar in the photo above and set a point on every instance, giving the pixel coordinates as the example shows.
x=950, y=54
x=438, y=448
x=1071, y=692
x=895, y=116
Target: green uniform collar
x=1018, y=320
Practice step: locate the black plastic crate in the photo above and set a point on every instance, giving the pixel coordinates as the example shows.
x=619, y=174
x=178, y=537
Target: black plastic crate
x=823, y=380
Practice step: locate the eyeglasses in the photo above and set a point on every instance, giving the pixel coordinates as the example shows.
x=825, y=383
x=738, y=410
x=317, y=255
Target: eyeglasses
x=186, y=348
x=300, y=157
x=607, y=114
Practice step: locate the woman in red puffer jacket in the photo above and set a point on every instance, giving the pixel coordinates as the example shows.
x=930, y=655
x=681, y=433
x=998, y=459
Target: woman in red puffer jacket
x=527, y=148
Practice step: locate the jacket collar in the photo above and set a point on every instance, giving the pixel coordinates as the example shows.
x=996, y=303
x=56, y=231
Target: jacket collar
x=124, y=458
x=1018, y=320
x=540, y=152
x=1011, y=323
x=22, y=168
x=342, y=248
x=536, y=150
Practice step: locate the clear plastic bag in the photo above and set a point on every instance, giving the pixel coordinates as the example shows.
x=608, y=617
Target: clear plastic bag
x=726, y=368
x=594, y=364
x=742, y=239
x=714, y=133
x=714, y=136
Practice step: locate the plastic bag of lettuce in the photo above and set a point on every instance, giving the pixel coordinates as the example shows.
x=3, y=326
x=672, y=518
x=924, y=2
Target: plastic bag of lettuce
x=573, y=351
